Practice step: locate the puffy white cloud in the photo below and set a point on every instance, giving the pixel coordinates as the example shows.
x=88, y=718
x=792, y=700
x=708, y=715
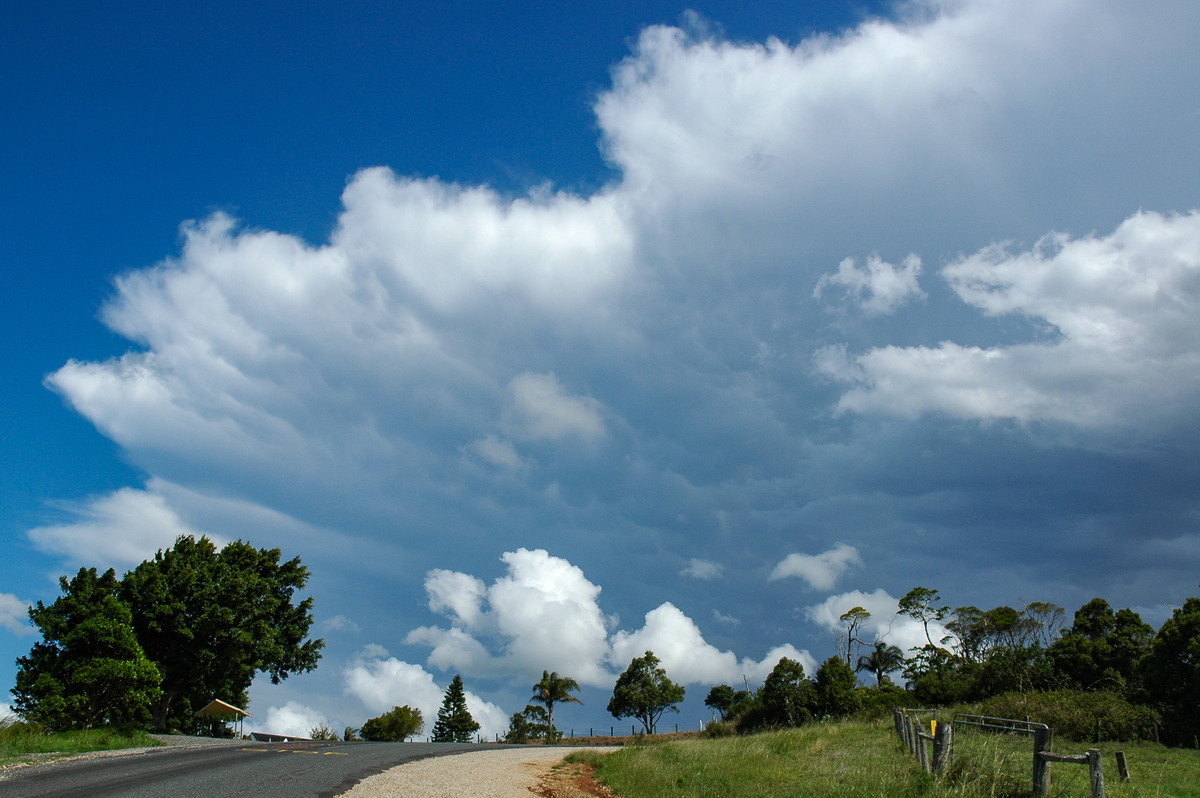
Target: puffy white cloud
x=1121, y=343
x=6, y=711
x=381, y=682
x=543, y=614
x=293, y=719
x=687, y=657
x=458, y=595
x=702, y=569
x=14, y=614
x=821, y=571
x=118, y=530
x=879, y=287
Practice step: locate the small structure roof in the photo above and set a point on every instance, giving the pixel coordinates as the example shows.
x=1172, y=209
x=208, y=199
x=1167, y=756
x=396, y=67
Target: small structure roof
x=219, y=709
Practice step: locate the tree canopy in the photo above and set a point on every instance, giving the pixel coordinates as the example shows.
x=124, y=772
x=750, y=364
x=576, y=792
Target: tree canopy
x=395, y=725
x=553, y=689
x=644, y=692
x=192, y=624
x=211, y=619
x=88, y=670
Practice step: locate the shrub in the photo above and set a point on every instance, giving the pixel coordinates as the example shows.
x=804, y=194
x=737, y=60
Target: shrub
x=1078, y=716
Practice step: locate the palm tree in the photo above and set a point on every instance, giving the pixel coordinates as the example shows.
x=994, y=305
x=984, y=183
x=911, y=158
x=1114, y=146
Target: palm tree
x=883, y=660
x=554, y=689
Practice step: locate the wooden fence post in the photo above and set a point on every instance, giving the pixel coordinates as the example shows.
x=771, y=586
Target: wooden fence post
x=1042, y=740
x=943, y=740
x=1096, y=770
x=922, y=749
x=1123, y=766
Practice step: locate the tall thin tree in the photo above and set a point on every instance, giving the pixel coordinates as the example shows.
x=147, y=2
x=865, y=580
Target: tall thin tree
x=554, y=689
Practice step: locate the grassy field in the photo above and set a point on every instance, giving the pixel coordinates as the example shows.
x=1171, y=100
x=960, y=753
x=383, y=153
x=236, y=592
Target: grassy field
x=19, y=740
x=861, y=759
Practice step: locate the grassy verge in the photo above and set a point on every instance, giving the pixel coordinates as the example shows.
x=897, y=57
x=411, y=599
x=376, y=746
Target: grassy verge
x=18, y=741
x=856, y=759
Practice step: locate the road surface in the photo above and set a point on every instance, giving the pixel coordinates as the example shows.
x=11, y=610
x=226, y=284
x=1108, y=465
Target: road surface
x=262, y=770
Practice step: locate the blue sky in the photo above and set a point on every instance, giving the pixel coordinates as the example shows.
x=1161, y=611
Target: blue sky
x=547, y=335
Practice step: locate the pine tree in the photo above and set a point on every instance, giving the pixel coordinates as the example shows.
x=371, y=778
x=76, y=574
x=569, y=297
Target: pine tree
x=454, y=722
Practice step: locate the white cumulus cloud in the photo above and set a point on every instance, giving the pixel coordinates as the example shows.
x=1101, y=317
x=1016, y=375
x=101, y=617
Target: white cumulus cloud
x=293, y=719
x=1121, y=338
x=878, y=287
x=687, y=657
x=821, y=571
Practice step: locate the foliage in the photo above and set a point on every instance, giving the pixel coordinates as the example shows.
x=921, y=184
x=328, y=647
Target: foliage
x=727, y=701
x=553, y=689
x=210, y=620
x=835, y=691
x=395, y=725
x=1172, y=674
x=1103, y=650
x=322, y=732
x=882, y=660
x=454, y=722
x=350, y=734
x=788, y=695
x=532, y=723
x=1077, y=715
x=190, y=625
x=879, y=700
x=923, y=604
x=88, y=670
x=644, y=692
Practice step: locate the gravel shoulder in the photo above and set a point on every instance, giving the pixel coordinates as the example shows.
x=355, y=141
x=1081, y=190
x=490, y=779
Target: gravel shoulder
x=504, y=773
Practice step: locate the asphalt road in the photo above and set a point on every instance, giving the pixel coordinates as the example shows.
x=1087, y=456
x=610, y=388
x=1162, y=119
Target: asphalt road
x=261, y=770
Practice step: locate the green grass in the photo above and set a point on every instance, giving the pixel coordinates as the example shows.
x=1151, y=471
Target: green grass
x=861, y=759
x=19, y=740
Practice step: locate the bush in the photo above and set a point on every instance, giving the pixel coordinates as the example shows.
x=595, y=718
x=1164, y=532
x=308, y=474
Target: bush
x=1078, y=716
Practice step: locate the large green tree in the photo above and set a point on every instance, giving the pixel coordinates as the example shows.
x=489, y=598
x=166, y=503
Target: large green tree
x=644, y=692
x=553, y=689
x=787, y=696
x=835, y=688
x=395, y=725
x=1103, y=650
x=210, y=619
x=88, y=669
x=1172, y=674
x=454, y=722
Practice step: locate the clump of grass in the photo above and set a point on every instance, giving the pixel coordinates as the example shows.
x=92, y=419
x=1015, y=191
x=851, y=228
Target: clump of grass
x=852, y=758
x=19, y=738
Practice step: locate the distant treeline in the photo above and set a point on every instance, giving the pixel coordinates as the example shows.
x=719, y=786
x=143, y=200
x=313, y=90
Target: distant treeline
x=1112, y=659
